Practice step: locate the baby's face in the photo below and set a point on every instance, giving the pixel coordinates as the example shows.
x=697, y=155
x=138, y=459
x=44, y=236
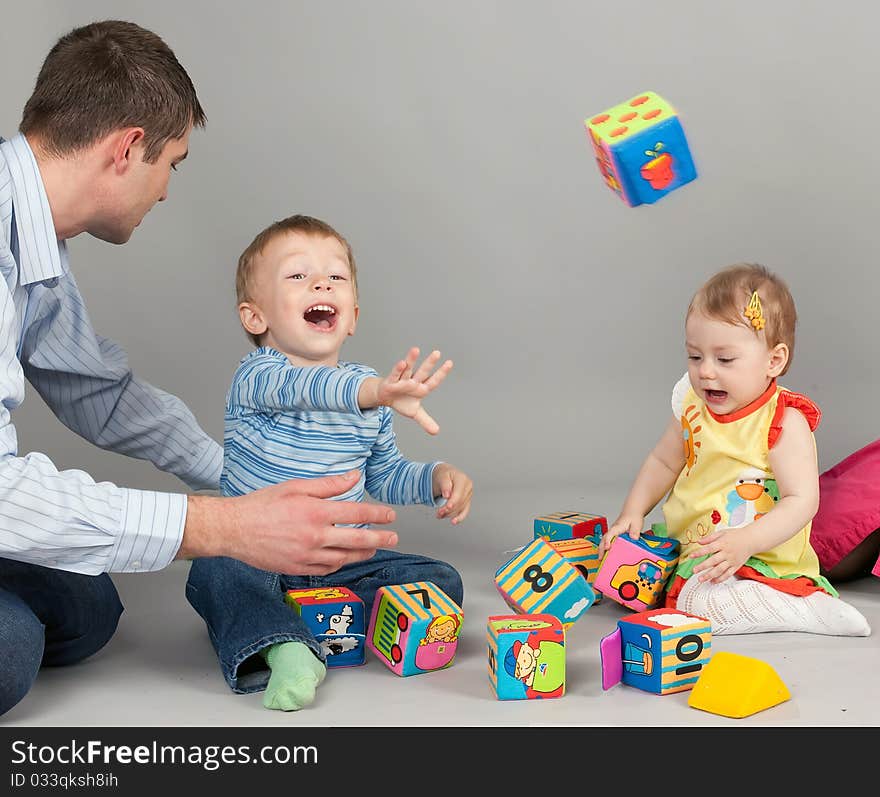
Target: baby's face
x=305, y=295
x=729, y=365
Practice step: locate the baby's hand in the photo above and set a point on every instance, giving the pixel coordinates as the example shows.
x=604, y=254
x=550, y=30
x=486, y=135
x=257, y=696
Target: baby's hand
x=456, y=487
x=727, y=550
x=625, y=524
x=405, y=387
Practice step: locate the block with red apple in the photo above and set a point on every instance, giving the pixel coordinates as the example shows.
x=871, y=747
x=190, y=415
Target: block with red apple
x=622, y=137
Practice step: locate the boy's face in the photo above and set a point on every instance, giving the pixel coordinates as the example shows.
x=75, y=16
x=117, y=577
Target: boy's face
x=304, y=302
x=728, y=364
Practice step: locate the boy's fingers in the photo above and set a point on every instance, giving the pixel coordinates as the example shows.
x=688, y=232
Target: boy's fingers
x=426, y=421
x=439, y=375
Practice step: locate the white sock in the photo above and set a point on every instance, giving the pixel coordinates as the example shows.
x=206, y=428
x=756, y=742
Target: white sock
x=744, y=606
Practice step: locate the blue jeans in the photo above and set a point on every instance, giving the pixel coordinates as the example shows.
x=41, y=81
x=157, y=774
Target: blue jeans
x=49, y=618
x=245, y=611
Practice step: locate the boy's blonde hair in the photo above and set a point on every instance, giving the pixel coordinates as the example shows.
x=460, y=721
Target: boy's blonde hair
x=726, y=295
x=308, y=225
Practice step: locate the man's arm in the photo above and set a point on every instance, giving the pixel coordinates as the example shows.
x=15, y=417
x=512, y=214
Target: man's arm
x=87, y=382
x=288, y=527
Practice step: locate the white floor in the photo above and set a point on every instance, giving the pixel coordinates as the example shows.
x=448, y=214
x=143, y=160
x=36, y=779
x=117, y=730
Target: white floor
x=160, y=669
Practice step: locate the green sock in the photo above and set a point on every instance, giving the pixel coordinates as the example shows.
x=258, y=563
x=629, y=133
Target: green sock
x=296, y=673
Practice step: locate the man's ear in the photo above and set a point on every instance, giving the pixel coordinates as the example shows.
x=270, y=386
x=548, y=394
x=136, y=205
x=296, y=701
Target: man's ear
x=778, y=360
x=357, y=312
x=126, y=147
x=252, y=318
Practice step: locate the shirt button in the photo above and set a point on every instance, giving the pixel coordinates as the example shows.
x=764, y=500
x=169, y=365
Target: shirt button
x=136, y=564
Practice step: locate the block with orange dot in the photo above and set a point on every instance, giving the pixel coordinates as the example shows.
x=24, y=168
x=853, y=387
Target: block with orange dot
x=641, y=149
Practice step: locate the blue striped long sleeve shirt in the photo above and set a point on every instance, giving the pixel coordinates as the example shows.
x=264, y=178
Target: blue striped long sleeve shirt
x=65, y=519
x=288, y=422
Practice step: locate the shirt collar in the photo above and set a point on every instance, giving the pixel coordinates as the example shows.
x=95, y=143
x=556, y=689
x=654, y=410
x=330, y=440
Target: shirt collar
x=41, y=256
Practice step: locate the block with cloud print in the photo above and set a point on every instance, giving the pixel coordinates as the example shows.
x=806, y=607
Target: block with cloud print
x=538, y=580
x=659, y=650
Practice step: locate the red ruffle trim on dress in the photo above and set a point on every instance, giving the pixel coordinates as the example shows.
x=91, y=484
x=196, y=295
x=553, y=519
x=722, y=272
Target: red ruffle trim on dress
x=799, y=402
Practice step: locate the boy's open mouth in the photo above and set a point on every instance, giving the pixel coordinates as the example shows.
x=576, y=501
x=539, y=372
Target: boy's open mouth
x=716, y=395
x=321, y=316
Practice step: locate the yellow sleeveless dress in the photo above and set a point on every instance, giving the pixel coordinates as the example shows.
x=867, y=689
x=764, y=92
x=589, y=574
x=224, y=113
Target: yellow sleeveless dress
x=727, y=482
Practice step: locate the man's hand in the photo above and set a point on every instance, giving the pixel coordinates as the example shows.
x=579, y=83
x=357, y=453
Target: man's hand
x=288, y=527
x=405, y=387
x=456, y=487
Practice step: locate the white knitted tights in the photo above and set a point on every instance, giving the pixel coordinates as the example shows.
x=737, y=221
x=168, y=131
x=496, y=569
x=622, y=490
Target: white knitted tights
x=743, y=606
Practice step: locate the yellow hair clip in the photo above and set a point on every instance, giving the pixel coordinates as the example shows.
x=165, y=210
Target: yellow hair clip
x=754, y=312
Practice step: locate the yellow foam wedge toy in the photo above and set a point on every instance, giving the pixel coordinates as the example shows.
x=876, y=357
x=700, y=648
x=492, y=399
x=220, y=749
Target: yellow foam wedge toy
x=737, y=686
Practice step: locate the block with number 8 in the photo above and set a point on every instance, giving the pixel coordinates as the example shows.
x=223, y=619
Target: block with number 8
x=538, y=580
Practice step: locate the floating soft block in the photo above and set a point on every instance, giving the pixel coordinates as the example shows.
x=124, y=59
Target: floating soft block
x=335, y=615
x=414, y=627
x=659, y=650
x=570, y=525
x=641, y=149
x=634, y=572
x=526, y=656
x=736, y=686
x=583, y=554
x=540, y=581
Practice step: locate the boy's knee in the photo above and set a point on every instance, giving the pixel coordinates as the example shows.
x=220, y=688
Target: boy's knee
x=447, y=578
x=21, y=650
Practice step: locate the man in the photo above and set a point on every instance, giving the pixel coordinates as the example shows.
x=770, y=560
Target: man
x=109, y=119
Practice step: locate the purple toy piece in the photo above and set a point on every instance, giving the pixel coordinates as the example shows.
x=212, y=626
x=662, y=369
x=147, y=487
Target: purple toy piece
x=612, y=662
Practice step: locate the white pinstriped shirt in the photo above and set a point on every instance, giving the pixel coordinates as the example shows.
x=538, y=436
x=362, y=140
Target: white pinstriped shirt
x=65, y=519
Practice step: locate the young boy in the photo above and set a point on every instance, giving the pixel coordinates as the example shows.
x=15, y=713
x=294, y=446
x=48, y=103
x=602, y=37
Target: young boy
x=294, y=410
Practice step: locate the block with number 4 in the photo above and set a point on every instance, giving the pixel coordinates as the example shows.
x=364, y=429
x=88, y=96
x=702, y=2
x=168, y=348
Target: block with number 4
x=538, y=580
x=414, y=627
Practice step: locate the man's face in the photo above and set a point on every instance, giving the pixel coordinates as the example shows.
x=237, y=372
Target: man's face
x=137, y=190
x=304, y=297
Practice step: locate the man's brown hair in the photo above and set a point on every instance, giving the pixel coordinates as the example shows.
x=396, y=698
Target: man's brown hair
x=726, y=295
x=105, y=76
x=308, y=225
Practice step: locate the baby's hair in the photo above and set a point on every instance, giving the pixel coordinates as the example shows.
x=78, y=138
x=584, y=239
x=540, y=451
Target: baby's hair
x=726, y=295
x=308, y=225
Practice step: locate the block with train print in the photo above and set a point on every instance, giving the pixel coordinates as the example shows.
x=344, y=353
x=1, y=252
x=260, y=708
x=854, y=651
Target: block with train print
x=634, y=572
x=335, y=615
x=526, y=656
x=659, y=650
x=414, y=627
x=538, y=580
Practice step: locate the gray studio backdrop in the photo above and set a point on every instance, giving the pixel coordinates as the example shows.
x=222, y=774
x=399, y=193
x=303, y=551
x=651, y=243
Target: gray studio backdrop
x=445, y=140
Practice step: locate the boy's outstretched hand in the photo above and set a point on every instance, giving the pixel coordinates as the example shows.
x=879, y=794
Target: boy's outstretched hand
x=457, y=488
x=405, y=387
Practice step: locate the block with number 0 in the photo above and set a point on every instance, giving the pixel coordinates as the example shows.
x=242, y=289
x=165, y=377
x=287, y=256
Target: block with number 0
x=538, y=580
x=414, y=627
